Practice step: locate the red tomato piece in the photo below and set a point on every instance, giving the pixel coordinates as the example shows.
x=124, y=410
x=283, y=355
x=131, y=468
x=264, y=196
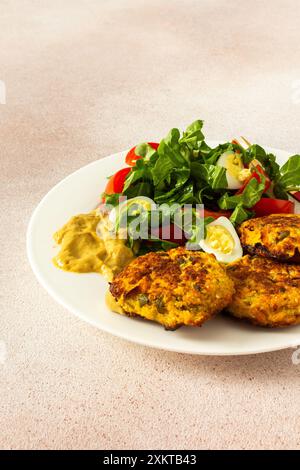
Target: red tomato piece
x=117, y=181
x=267, y=206
x=154, y=145
x=295, y=195
x=256, y=174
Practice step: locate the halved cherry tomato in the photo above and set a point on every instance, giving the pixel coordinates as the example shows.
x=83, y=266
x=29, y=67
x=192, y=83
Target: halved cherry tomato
x=132, y=157
x=117, y=181
x=268, y=206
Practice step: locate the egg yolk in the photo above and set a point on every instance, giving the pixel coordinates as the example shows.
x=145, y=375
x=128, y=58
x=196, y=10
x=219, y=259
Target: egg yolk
x=234, y=165
x=220, y=239
x=244, y=175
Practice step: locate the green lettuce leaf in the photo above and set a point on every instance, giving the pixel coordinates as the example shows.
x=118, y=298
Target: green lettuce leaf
x=290, y=174
x=247, y=199
x=193, y=135
x=240, y=214
x=170, y=157
x=268, y=160
x=214, y=175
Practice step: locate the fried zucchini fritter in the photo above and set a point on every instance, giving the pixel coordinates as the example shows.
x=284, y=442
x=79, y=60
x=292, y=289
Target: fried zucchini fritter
x=266, y=292
x=174, y=288
x=275, y=236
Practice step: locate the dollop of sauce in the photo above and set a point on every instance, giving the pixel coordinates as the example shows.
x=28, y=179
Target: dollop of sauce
x=87, y=246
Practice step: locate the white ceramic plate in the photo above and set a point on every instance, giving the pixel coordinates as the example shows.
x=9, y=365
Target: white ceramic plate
x=83, y=294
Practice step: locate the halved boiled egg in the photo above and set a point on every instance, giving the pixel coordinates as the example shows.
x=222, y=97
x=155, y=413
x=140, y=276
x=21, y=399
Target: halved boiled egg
x=222, y=241
x=236, y=173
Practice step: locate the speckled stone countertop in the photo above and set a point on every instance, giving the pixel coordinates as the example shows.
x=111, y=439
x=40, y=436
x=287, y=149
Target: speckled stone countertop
x=87, y=79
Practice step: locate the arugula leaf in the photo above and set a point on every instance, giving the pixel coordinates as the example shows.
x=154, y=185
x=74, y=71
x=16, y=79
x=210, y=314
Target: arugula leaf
x=201, y=151
x=169, y=157
x=141, y=188
x=178, y=179
x=186, y=194
x=183, y=195
x=249, y=197
x=193, y=135
x=290, y=174
x=227, y=202
x=268, y=160
x=141, y=171
x=205, y=193
x=213, y=156
x=214, y=175
x=240, y=214
x=280, y=192
x=253, y=191
x=112, y=199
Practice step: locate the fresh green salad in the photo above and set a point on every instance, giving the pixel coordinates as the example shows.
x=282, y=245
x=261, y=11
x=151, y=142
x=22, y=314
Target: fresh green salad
x=233, y=180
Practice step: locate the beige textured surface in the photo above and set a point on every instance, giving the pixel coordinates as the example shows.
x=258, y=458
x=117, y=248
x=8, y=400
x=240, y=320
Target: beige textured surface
x=86, y=79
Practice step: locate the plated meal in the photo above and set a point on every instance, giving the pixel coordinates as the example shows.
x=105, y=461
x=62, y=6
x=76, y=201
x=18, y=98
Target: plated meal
x=185, y=231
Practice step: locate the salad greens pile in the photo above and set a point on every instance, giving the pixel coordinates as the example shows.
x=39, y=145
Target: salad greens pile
x=184, y=170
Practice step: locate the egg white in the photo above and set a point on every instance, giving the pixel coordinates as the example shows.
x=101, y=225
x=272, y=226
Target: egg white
x=224, y=161
x=237, y=251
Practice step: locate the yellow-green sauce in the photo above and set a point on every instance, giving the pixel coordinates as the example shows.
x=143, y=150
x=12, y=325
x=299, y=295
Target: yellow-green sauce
x=86, y=246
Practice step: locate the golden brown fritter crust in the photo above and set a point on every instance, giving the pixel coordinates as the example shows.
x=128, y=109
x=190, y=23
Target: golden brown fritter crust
x=266, y=292
x=174, y=288
x=275, y=236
